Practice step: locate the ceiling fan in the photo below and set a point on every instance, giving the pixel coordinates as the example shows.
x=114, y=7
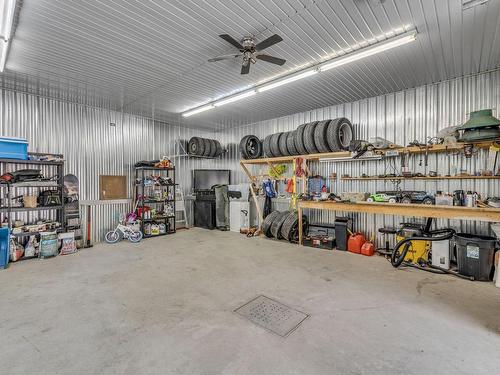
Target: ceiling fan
x=250, y=51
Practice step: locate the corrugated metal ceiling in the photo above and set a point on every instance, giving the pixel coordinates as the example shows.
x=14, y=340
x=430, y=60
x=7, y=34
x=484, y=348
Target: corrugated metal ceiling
x=150, y=57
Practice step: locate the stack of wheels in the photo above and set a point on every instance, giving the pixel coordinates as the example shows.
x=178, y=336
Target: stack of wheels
x=204, y=147
x=311, y=138
x=283, y=225
x=250, y=147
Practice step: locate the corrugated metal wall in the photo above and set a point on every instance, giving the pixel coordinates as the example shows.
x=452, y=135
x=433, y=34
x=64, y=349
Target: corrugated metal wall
x=91, y=147
x=399, y=117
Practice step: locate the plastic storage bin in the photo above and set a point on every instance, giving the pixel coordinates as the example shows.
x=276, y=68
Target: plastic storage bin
x=4, y=247
x=13, y=148
x=475, y=255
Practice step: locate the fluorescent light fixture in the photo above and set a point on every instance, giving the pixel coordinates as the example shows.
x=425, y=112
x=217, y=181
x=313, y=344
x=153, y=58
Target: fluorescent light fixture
x=467, y=4
x=198, y=110
x=351, y=54
x=234, y=98
x=369, y=51
x=282, y=82
x=8, y=9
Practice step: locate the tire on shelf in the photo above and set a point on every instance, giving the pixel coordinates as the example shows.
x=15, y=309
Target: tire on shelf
x=290, y=143
x=218, y=148
x=320, y=136
x=266, y=145
x=283, y=144
x=299, y=137
x=340, y=133
x=275, y=144
x=286, y=229
x=308, y=138
x=267, y=222
x=277, y=223
x=208, y=147
x=213, y=147
x=250, y=147
x=196, y=146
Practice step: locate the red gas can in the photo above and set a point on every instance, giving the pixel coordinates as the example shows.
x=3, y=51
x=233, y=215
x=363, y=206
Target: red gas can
x=368, y=249
x=355, y=243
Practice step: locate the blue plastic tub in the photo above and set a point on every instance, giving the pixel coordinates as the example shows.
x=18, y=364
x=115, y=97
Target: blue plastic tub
x=13, y=148
x=4, y=247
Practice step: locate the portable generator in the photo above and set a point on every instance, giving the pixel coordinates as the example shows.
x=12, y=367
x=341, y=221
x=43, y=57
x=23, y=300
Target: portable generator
x=417, y=250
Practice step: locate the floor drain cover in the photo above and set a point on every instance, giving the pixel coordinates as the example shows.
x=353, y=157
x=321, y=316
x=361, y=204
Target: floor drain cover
x=272, y=315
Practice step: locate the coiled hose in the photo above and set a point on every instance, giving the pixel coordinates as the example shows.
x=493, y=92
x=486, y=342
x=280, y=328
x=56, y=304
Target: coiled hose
x=434, y=235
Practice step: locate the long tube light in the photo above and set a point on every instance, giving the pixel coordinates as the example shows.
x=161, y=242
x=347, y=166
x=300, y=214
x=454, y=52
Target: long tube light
x=234, y=98
x=369, y=51
x=6, y=19
x=322, y=67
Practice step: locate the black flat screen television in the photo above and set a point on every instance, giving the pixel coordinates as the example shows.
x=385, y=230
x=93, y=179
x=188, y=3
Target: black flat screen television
x=204, y=179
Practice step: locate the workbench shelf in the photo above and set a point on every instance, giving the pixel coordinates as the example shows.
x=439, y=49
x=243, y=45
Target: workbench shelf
x=421, y=178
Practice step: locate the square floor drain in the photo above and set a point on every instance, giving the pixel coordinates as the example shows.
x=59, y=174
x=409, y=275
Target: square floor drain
x=272, y=315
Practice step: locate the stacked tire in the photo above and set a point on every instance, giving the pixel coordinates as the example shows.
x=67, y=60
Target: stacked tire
x=311, y=138
x=283, y=225
x=198, y=146
x=250, y=147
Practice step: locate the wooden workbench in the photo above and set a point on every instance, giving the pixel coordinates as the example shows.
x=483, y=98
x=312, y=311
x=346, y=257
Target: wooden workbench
x=419, y=210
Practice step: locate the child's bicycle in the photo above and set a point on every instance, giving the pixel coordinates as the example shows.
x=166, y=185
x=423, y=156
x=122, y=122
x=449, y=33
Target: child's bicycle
x=123, y=232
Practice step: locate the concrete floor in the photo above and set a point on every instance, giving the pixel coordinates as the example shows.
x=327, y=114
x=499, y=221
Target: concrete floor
x=165, y=306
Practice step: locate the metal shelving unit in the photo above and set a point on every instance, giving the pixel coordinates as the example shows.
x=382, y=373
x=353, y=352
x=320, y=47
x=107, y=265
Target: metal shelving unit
x=140, y=189
x=7, y=189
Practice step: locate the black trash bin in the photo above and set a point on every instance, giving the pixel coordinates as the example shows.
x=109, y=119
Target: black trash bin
x=342, y=227
x=475, y=255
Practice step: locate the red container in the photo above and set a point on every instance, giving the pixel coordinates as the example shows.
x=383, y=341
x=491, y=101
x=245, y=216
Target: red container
x=139, y=210
x=368, y=249
x=355, y=243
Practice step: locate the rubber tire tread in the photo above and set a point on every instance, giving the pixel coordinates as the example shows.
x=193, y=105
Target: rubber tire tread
x=275, y=145
x=218, y=148
x=277, y=223
x=308, y=138
x=299, y=136
x=267, y=222
x=332, y=135
x=283, y=144
x=289, y=223
x=266, y=145
x=320, y=136
x=208, y=147
x=243, y=147
x=290, y=143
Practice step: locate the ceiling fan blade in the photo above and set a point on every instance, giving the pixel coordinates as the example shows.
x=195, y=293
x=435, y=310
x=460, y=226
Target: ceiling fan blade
x=230, y=39
x=224, y=57
x=245, y=69
x=271, y=59
x=268, y=42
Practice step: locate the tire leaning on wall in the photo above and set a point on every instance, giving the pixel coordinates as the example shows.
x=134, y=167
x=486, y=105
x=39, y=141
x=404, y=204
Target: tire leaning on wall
x=196, y=146
x=268, y=221
x=277, y=223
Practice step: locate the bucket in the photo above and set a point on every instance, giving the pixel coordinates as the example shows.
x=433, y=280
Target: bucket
x=475, y=255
